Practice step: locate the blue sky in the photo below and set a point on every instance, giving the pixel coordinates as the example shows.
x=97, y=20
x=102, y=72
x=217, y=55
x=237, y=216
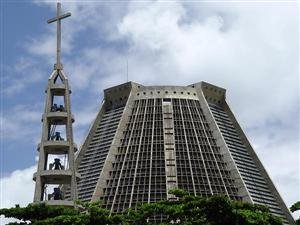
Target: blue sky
x=251, y=49
x=20, y=23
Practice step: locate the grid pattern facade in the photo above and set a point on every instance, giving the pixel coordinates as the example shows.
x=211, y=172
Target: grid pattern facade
x=256, y=185
x=200, y=167
x=96, y=152
x=138, y=173
x=165, y=137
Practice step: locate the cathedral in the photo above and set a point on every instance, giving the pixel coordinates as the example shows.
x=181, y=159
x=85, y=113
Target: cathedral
x=145, y=141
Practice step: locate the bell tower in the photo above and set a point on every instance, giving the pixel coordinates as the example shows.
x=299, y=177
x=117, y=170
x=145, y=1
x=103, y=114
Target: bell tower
x=56, y=168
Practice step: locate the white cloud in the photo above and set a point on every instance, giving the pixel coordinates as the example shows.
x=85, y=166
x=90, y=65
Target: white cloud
x=251, y=49
x=16, y=188
x=249, y=58
x=24, y=73
x=281, y=159
x=24, y=118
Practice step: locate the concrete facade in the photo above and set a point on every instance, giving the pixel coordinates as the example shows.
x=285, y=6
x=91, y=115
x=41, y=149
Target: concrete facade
x=56, y=166
x=56, y=145
x=147, y=140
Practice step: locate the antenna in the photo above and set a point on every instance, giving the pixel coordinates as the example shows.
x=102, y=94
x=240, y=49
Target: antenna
x=127, y=67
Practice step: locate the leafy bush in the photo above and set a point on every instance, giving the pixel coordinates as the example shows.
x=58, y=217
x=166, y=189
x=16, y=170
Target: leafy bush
x=187, y=210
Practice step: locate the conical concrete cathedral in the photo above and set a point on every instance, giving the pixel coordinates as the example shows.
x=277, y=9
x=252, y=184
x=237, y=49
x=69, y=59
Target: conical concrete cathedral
x=147, y=140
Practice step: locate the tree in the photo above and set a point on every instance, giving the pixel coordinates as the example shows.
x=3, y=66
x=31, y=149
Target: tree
x=42, y=214
x=187, y=210
x=190, y=209
x=296, y=207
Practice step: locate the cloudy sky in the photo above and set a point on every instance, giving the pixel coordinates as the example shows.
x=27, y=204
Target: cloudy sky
x=251, y=48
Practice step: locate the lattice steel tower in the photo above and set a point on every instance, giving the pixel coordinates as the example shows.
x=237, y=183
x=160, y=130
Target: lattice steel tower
x=56, y=150
x=146, y=140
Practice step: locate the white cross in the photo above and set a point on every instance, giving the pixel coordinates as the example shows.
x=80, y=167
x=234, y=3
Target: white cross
x=58, y=18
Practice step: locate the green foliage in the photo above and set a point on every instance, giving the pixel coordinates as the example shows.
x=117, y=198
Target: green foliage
x=37, y=212
x=41, y=214
x=178, y=192
x=187, y=210
x=296, y=207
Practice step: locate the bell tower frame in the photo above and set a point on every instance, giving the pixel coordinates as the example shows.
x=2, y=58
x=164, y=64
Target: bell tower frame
x=56, y=165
